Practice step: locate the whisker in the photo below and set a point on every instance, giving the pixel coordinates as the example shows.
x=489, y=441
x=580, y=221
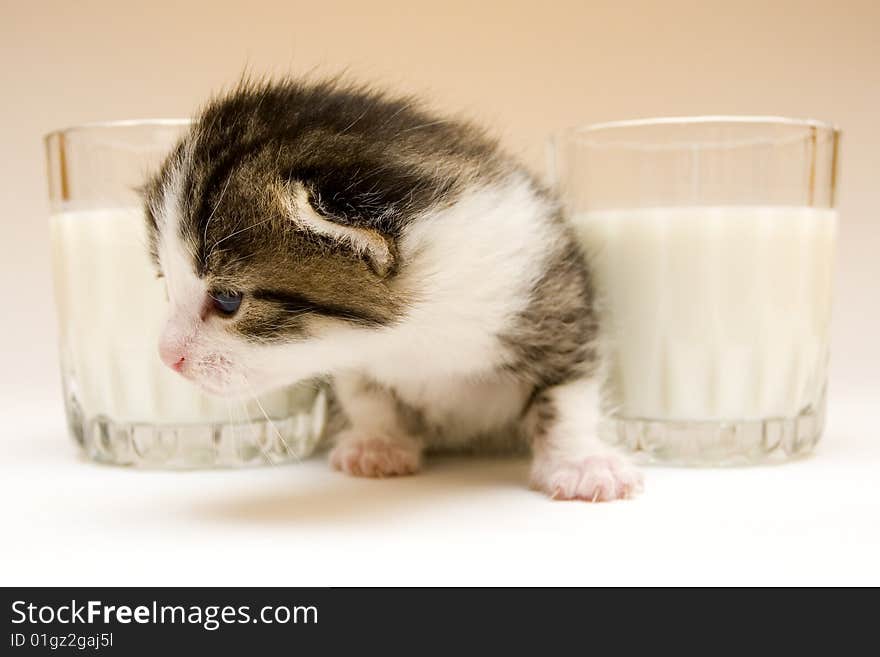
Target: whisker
x=243, y=409
x=403, y=106
x=232, y=425
x=423, y=125
x=211, y=216
x=238, y=260
x=351, y=125
x=287, y=447
x=238, y=232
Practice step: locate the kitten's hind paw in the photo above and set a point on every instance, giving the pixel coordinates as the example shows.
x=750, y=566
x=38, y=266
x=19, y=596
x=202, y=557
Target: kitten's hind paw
x=598, y=478
x=369, y=455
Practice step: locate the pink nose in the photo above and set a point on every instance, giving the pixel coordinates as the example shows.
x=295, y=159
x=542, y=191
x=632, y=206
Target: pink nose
x=172, y=355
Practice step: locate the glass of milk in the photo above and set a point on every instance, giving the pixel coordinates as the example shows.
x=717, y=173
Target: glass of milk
x=711, y=242
x=123, y=405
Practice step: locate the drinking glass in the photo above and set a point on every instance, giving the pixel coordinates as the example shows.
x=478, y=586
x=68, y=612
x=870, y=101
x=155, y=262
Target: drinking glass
x=711, y=243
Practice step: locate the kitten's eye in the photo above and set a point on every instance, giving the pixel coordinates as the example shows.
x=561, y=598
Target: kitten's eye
x=227, y=303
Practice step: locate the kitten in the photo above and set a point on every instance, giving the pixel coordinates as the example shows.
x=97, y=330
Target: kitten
x=320, y=228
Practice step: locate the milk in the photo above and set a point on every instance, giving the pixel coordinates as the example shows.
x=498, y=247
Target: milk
x=112, y=307
x=713, y=313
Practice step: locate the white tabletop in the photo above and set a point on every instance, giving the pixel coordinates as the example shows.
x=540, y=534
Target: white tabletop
x=462, y=521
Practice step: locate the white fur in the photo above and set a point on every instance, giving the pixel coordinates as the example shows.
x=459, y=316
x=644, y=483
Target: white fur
x=570, y=461
x=186, y=291
x=575, y=432
x=190, y=334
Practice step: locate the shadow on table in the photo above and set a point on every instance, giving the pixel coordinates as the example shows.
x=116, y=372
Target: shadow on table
x=332, y=497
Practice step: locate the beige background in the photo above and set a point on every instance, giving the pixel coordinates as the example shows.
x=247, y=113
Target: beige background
x=526, y=68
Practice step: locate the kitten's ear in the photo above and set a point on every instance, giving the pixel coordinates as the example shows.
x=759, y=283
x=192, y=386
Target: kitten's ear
x=369, y=244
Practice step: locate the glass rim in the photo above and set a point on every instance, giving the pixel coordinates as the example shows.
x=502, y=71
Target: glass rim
x=118, y=123
x=708, y=118
x=600, y=134
x=608, y=127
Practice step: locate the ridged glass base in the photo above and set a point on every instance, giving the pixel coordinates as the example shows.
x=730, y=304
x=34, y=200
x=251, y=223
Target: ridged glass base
x=208, y=445
x=716, y=443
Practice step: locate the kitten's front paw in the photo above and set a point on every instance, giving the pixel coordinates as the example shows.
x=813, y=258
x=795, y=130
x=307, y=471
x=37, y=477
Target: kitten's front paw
x=368, y=455
x=598, y=478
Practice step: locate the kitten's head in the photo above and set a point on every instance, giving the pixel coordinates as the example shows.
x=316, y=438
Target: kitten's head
x=276, y=224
